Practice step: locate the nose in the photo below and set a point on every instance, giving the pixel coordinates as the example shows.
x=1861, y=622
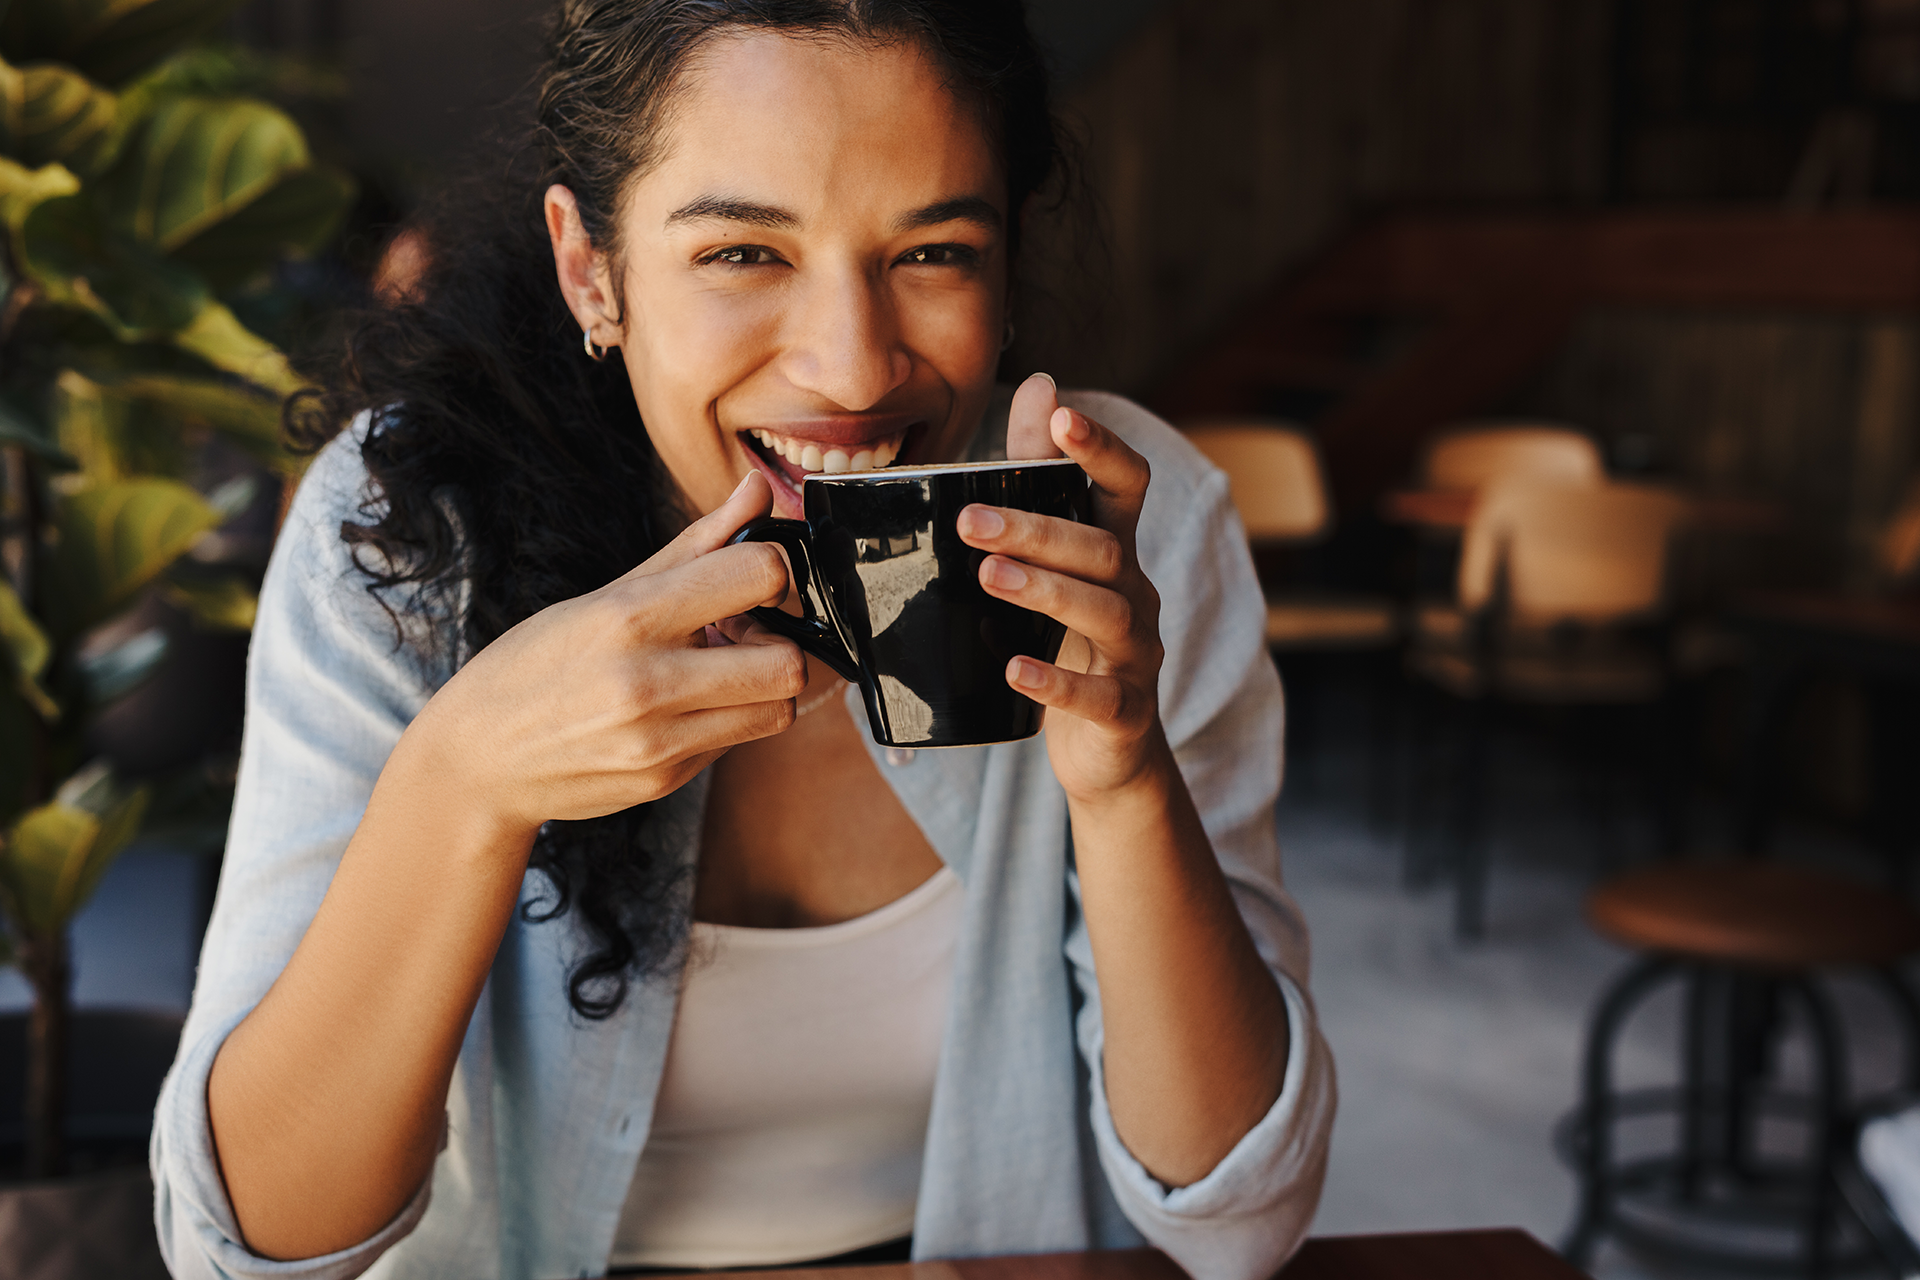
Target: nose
x=844, y=342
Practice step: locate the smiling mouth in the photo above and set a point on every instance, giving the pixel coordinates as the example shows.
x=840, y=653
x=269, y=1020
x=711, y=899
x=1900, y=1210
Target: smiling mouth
x=795, y=459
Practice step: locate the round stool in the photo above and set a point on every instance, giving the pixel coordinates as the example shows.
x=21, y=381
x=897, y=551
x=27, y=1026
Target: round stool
x=1744, y=940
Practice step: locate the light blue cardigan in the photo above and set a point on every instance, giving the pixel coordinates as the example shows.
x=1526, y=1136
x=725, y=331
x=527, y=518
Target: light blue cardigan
x=548, y=1112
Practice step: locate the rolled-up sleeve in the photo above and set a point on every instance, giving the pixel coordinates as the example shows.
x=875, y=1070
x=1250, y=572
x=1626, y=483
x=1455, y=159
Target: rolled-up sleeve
x=1222, y=707
x=330, y=687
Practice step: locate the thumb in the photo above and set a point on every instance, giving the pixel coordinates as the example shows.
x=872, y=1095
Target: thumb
x=1028, y=436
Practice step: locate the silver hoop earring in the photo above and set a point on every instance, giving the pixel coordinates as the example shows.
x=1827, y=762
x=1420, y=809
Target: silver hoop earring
x=593, y=352
x=1007, y=341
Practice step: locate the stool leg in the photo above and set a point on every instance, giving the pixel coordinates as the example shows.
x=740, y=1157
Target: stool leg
x=1901, y=996
x=1697, y=1090
x=1831, y=1062
x=1752, y=1020
x=1593, y=1134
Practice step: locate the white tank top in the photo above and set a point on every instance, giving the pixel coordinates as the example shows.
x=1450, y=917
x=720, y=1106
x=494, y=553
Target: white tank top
x=793, y=1109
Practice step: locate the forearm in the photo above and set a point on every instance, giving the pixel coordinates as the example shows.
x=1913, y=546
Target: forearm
x=1196, y=1038
x=327, y=1102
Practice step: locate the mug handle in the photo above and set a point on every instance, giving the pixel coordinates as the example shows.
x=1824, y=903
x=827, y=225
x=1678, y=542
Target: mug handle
x=811, y=631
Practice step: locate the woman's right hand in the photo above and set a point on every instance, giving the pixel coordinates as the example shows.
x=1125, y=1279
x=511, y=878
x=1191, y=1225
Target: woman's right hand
x=327, y=1102
x=612, y=699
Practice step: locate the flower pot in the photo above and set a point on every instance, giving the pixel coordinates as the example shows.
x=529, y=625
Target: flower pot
x=98, y=1220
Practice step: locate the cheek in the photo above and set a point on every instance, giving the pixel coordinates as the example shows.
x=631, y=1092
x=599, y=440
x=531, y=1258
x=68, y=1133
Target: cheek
x=683, y=354
x=957, y=332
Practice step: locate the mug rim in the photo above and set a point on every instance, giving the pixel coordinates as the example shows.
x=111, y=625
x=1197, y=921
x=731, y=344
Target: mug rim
x=930, y=469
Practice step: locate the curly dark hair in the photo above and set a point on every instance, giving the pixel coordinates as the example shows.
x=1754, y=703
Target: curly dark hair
x=506, y=463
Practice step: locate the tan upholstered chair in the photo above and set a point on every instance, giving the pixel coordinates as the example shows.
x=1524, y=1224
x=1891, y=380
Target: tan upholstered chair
x=1562, y=590
x=1275, y=477
x=1273, y=472
x=1474, y=456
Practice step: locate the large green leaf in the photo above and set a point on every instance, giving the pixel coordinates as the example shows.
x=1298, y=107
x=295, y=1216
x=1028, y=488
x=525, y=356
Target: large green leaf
x=296, y=217
x=140, y=425
x=17, y=426
x=53, y=113
x=192, y=163
x=217, y=336
x=55, y=854
x=219, y=604
x=109, y=40
x=113, y=540
x=22, y=190
x=78, y=261
x=29, y=649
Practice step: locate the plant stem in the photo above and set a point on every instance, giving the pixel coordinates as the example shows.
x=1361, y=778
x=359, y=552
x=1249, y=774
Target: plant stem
x=44, y=958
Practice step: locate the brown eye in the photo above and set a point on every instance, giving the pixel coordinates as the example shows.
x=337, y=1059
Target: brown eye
x=742, y=255
x=941, y=255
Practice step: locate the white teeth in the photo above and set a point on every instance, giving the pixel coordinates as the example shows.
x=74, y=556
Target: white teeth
x=830, y=459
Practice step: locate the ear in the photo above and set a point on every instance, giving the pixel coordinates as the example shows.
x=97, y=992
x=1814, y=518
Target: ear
x=586, y=282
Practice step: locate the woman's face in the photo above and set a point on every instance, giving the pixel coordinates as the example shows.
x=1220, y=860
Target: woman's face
x=814, y=274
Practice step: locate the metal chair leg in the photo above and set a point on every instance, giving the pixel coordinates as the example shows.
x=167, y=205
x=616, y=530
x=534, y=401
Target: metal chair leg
x=1469, y=829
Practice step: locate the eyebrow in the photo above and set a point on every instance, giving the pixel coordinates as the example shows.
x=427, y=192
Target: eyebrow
x=729, y=209
x=959, y=209
x=751, y=213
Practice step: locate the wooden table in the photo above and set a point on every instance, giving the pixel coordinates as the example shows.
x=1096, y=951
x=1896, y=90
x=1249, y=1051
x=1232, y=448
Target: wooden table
x=1444, y=1255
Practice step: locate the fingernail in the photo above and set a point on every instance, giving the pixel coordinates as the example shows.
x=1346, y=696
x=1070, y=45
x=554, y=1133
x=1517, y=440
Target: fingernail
x=982, y=522
x=1077, y=428
x=1049, y=378
x=1026, y=673
x=742, y=485
x=1004, y=574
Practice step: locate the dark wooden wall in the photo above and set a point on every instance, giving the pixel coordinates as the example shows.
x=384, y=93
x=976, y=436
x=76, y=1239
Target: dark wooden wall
x=1229, y=140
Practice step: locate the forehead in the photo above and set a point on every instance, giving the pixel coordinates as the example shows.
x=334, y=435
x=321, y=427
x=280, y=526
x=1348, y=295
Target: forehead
x=818, y=120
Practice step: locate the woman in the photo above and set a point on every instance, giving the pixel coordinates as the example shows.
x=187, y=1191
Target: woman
x=508, y=735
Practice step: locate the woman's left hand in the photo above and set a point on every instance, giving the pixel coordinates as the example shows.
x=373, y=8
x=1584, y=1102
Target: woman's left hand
x=1103, y=726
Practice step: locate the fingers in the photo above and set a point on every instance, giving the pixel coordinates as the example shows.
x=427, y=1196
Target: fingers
x=1099, y=698
x=1033, y=405
x=1102, y=615
x=760, y=669
x=719, y=584
x=750, y=499
x=1083, y=550
x=1119, y=474
x=717, y=728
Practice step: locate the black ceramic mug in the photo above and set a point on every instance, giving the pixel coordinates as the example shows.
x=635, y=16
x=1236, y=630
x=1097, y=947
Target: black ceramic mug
x=891, y=599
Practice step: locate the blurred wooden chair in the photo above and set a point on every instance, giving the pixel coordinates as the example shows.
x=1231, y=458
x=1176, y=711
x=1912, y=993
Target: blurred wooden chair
x=1475, y=455
x=1279, y=489
x=1561, y=606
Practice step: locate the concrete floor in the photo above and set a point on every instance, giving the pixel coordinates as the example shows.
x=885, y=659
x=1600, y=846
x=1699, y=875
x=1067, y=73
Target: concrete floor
x=1456, y=1060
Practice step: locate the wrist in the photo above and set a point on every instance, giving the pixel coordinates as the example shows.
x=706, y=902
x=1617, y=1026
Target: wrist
x=1144, y=774
x=435, y=768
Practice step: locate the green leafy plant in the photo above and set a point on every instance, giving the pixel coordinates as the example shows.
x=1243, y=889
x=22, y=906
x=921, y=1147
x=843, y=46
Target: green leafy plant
x=141, y=196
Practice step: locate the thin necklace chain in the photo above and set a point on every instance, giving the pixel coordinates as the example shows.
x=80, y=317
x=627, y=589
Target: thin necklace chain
x=814, y=704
